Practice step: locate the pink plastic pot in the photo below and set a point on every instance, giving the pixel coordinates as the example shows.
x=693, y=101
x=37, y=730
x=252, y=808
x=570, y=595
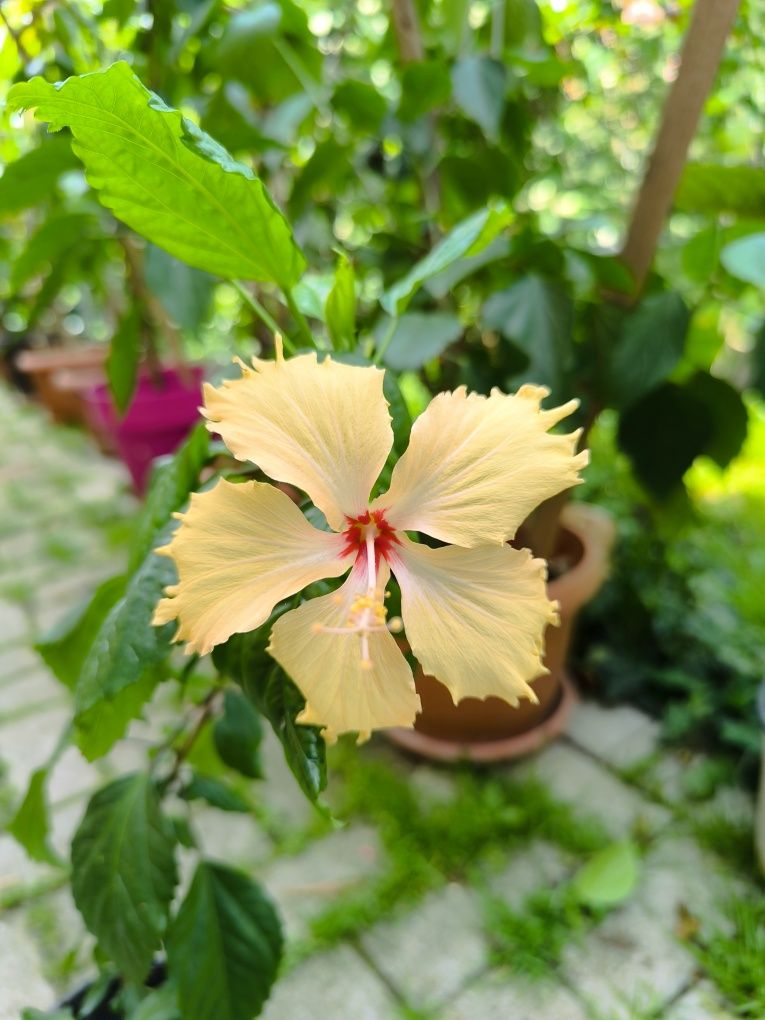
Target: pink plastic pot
x=161, y=415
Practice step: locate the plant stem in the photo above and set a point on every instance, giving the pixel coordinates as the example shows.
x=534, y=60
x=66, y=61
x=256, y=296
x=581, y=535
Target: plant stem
x=206, y=709
x=384, y=344
x=263, y=314
x=16, y=36
x=300, y=320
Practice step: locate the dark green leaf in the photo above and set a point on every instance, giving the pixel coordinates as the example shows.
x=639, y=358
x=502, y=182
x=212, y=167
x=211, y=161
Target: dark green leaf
x=172, y=479
x=66, y=647
x=711, y=188
x=31, y=178
x=123, y=872
x=419, y=337
x=479, y=84
x=120, y=10
x=322, y=177
x=185, y=292
x=425, y=85
x=442, y=283
x=50, y=245
x=650, y=345
x=727, y=412
x=224, y=946
x=215, y=792
x=758, y=361
x=30, y=826
x=663, y=433
x=536, y=315
x=340, y=308
x=244, y=658
x=165, y=178
x=608, y=878
x=361, y=104
x=745, y=259
x=469, y=237
x=159, y=1004
x=237, y=735
x=125, y=655
x=124, y=355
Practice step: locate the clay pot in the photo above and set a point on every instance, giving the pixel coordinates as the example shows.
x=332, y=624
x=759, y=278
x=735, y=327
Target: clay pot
x=161, y=414
x=492, y=730
x=42, y=364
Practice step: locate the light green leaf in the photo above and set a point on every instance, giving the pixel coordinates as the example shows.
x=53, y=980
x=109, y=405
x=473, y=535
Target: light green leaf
x=418, y=337
x=123, y=872
x=651, y=343
x=172, y=479
x=65, y=648
x=31, y=178
x=478, y=85
x=340, y=309
x=124, y=656
x=469, y=237
x=30, y=826
x=745, y=259
x=124, y=355
x=714, y=188
x=224, y=946
x=536, y=315
x=165, y=178
x=237, y=735
x=609, y=877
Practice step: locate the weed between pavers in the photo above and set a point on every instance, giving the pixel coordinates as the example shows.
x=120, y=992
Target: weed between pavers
x=735, y=960
x=430, y=845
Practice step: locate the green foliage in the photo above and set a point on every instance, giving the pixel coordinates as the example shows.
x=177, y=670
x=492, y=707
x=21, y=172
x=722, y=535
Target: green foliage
x=165, y=178
x=237, y=735
x=31, y=178
x=340, y=307
x=30, y=826
x=732, y=957
x=530, y=941
x=608, y=878
x=124, y=355
x=418, y=337
x=123, y=871
x=215, y=792
x=224, y=946
x=745, y=259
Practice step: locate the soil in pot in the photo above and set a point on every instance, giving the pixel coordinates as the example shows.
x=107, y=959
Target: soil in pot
x=164, y=408
x=490, y=729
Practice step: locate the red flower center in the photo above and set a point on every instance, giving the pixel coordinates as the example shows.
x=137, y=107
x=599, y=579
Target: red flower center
x=359, y=529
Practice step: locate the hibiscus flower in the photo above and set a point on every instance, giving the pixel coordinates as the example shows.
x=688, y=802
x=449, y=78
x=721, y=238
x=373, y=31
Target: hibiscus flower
x=474, y=610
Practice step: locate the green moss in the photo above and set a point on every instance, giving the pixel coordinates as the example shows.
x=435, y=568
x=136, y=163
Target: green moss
x=731, y=840
x=530, y=941
x=733, y=959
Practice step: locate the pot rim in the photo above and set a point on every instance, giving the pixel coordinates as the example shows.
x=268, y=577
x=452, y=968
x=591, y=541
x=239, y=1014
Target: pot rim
x=595, y=529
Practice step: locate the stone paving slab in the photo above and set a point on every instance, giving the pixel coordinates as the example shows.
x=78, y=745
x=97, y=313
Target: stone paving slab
x=337, y=985
x=430, y=953
x=700, y=1003
x=499, y=997
x=620, y=736
x=578, y=779
x=21, y=980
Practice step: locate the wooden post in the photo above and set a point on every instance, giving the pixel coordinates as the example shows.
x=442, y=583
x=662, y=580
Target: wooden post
x=703, y=48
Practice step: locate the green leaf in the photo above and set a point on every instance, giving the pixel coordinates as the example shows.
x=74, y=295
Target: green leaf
x=244, y=658
x=469, y=237
x=124, y=355
x=536, y=315
x=237, y=735
x=608, y=878
x=650, y=345
x=419, y=337
x=758, y=361
x=727, y=412
x=65, y=648
x=745, y=259
x=215, y=792
x=31, y=178
x=663, y=433
x=50, y=245
x=124, y=657
x=39, y=1014
x=123, y=872
x=442, y=283
x=30, y=826
x=165, y=178
x=185, y=293
x=710, y=188
x=425, y=85
x=172, y=479
x=478, y=85
x=340, y=308
x=224, y=946
x=160, y=1004
x=361, y=104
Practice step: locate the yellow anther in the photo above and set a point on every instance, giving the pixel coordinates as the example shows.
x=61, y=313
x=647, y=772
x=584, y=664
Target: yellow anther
x=367, y=664
x=386, y=595
x=395, y=625
x=317, y=628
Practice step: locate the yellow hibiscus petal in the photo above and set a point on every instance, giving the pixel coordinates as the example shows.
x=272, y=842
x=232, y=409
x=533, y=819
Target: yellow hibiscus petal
x=239, y=550
x=342, y=694
x=475, y=618
x=322, y=427
x=477, y=466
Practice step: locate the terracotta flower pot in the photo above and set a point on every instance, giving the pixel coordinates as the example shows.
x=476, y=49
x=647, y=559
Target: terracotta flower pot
x=42, y=364
x=490, y=729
